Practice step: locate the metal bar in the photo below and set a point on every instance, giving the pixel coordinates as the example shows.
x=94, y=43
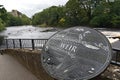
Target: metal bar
x=13, y=43
x=6, y=43
x=33, y=45
x=114, y=63
x=34, y=42
x=29, y=39
x=116, y=56
x=43, y=41
x=20, y=43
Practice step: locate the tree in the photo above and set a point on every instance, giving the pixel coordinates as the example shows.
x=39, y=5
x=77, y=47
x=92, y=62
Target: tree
x=107, y=14
x=3, y=17
x=25, y=20
x=97, y=13
x=18, y=21
x=116, y=21
x=49, y=16
x=2, y=25
x=80, y=12
x=103, y=20
x=88, y=6
x=75, y=15
x=14, y=21
x=3, y=13
x=115, y=11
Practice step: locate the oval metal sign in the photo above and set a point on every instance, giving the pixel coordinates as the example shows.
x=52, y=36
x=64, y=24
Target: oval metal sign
x=76, y=53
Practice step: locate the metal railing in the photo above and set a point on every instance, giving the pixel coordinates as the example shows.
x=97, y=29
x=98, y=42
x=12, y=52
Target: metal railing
x=23, y=43
x=116, y=57
x=39, y=43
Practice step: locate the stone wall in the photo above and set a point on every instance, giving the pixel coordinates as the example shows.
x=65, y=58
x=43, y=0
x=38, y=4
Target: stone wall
x=32, y=61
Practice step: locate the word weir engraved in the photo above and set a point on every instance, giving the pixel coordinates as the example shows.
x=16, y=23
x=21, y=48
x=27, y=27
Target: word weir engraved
x=76, y=53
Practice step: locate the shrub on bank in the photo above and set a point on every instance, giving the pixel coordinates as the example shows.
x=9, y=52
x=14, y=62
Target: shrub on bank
x=2, y=25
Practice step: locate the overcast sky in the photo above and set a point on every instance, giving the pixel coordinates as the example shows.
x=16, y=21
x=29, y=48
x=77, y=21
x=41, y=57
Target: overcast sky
x=30, y=7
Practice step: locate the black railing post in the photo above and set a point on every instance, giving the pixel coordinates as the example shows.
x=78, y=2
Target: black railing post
x=116, y=62
x=13, y=43
x=20, y=43
x=116, y=57
x=33, y=46
x=6, y=43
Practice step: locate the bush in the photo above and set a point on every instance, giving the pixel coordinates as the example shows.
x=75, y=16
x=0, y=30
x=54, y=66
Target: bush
x=2, y=25
x=116, y=21
x=95, y=22
x=101, y=21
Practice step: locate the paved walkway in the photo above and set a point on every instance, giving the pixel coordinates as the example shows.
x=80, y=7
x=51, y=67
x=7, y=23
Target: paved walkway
x=10, y=69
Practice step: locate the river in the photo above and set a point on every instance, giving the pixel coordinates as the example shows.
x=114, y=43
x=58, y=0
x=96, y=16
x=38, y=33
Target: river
x=31, y=32
x=26, y=32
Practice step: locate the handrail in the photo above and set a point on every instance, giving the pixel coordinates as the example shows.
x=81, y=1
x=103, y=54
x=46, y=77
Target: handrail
x=39, y=43
x=23, y=43
x=116, y=57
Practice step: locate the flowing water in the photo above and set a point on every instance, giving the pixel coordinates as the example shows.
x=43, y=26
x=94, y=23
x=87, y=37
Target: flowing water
x=31, y=32
x=26, y=32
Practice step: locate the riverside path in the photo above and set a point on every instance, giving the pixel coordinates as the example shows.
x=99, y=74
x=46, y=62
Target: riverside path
x=10, y=69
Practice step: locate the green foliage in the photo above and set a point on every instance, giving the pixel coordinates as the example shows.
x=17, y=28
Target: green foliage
x=2, y=25
x=43, y=25
x=7, y=19
x=2, y=17
x=14, y=21
x=3, y=13
x=62, y=22
x=95, y=13
x=25, y=20
x=106, y=15
x=49, y=16
x=116, y=21
x=101, y=21
x=17, y=21
x=115, y=11
x=1, y=40
x=78, y=13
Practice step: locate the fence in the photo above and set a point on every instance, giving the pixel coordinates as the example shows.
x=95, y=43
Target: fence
x=39, y=43
x=23, y=43
x=116, y=57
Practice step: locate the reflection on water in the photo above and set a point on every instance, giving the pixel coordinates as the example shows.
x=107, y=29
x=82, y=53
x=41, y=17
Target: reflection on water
x=26, y=32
